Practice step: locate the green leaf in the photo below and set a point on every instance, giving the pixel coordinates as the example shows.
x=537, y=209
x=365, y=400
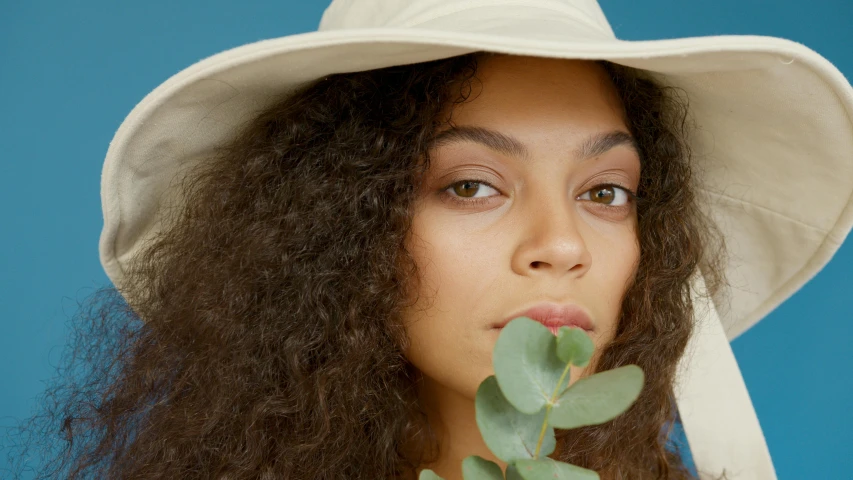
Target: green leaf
x=512, y=473
x=509, y=434
x=548, y=468
x=574, y=346
x=598, y=398
x=427, y=474
x=527, y=366
x=478, y=468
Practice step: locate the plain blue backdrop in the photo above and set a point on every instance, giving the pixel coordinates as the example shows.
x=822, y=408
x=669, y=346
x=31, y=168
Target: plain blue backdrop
x=71, y=71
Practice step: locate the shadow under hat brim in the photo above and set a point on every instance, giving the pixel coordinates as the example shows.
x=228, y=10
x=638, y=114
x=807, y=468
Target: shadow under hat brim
x=773, y=142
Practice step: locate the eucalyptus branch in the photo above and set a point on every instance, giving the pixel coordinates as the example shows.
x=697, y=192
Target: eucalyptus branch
x=550, y=404
x=516, y=415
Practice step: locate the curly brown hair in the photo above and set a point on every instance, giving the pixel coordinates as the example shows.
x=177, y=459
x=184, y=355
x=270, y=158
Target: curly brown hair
x=264, y=339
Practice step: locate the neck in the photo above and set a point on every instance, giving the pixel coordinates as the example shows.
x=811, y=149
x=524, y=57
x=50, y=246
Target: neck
x=452, y=417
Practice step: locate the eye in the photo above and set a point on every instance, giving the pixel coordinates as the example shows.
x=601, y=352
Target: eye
x=609, y=195
x=469, y=189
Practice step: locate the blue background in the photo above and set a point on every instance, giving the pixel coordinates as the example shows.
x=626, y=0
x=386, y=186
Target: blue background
x=71, y=71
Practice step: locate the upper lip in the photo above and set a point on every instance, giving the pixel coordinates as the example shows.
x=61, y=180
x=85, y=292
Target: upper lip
x=554, y=315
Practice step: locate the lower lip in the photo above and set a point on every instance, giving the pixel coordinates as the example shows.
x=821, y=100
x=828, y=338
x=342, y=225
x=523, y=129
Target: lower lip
x=555, y=329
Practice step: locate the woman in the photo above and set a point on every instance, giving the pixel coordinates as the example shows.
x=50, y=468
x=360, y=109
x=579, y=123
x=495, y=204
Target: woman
x=319, y=237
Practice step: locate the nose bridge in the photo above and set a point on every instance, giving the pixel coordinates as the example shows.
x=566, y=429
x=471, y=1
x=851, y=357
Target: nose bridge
x=554, y=238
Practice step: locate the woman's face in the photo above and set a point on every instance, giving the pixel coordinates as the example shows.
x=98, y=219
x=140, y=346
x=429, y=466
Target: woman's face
x=519, y=208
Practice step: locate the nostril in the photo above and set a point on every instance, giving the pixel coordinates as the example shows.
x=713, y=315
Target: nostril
x=535, y=264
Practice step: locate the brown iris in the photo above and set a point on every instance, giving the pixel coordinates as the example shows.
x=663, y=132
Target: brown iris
x=603, y=195
x=464, y=188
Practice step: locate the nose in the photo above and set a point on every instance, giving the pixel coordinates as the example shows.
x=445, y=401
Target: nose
x=552, y=242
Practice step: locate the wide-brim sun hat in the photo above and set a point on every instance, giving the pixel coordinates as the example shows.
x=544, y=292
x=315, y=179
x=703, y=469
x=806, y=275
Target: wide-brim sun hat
x=773, y=140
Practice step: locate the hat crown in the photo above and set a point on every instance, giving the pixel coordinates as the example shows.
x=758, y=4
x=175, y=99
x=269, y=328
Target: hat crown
x=445, y=14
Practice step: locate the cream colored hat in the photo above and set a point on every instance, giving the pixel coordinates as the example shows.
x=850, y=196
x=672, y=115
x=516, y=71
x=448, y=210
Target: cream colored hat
x=775, y=142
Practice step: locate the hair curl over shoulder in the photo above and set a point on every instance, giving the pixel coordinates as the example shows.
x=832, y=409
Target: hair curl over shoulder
x=271, y=345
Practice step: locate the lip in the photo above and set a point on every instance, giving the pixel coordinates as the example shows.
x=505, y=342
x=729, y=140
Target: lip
x=554, y=316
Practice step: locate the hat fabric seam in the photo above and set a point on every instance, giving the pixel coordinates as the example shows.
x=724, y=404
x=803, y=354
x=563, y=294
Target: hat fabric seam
x=725, y=197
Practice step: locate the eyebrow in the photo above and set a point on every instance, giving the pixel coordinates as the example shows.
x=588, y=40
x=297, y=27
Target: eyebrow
x=508, y=145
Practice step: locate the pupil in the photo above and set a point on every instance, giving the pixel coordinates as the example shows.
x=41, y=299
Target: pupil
x=605, y=194
x=463, y=188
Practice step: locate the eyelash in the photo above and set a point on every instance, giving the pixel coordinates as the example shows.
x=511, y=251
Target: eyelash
x=472, y=202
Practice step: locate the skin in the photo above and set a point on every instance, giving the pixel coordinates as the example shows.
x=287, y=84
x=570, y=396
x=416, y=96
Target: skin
x=533, y=227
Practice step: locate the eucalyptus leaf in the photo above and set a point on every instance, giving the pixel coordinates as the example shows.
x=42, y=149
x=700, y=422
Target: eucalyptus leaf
x=574, y=346
x=527, y=366
x=512, y=472
x=478, y=468
x=598, y=398
x=511, y=435
x=548, y=468
x=428, y=474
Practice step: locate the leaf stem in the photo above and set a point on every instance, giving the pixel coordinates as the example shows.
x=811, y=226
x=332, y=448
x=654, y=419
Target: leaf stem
x=548, y=410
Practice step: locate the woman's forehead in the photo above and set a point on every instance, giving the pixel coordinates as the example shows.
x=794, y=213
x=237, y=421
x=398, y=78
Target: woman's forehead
x=530, y=108
x=531, y=95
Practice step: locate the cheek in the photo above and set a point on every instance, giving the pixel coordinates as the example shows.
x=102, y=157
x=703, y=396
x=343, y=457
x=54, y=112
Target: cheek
x=617, y=261
x=457, y=265
x=615, y=247
x=621, y=261
x=446, y=320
